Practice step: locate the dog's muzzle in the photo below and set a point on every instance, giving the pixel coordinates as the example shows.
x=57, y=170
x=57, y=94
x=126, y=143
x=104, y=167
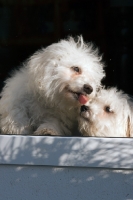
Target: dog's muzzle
x=85, y=112
x=84, y=108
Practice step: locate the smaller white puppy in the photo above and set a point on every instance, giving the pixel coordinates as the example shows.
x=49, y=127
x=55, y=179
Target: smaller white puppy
x=110, y=114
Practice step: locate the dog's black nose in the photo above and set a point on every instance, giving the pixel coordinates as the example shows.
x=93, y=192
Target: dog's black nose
x=84, y=108
x=88, y=89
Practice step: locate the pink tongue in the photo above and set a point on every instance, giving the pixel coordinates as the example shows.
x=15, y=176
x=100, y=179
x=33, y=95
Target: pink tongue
x=82, y=99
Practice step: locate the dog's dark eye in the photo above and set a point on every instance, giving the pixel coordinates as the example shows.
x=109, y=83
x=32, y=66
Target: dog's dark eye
x=76, y=69
x=108, y=109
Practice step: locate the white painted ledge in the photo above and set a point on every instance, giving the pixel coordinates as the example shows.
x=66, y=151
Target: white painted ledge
x=67, y=151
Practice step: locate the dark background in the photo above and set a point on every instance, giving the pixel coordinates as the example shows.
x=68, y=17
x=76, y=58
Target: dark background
x=27, y=25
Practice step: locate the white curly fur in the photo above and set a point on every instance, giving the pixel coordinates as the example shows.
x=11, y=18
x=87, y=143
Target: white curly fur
x=110, y=114
x=41, y=97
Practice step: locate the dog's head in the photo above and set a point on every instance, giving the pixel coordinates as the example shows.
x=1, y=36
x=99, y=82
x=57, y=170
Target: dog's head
x=69, y=69
x=108, y=115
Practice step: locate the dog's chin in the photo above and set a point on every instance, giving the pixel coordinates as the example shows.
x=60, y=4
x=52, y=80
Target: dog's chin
x=85, y=115
x=72, y=98
x=74, y=95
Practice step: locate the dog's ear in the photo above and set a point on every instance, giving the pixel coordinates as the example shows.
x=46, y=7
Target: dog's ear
x=128, y=127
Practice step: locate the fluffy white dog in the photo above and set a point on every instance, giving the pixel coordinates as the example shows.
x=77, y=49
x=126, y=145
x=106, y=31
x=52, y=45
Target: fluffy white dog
x=110, y=114
x=44, y=96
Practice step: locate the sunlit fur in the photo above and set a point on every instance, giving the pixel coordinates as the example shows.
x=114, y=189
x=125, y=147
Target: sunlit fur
x=37, y=97
x=101, y=121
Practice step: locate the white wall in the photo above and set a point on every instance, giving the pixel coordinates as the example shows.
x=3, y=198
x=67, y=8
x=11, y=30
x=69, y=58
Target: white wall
x=54, y=168
x=52, y=183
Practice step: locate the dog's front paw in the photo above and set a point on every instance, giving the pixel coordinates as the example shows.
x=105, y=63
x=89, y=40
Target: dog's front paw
x=45, y=131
